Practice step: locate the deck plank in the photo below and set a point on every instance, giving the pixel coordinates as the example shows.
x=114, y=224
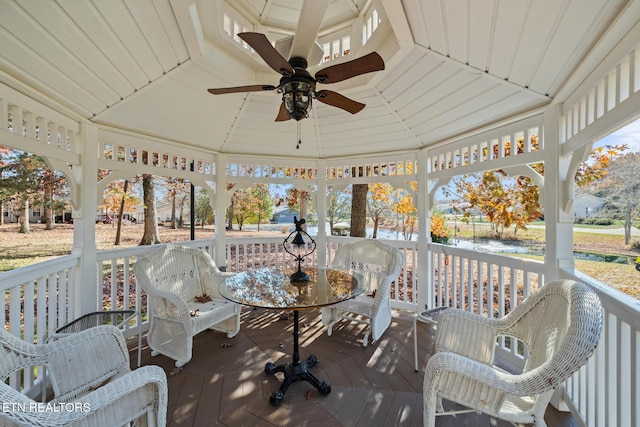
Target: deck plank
x=375, y=386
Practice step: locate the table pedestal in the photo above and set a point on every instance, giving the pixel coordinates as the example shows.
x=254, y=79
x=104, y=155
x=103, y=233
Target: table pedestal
x=295, y=371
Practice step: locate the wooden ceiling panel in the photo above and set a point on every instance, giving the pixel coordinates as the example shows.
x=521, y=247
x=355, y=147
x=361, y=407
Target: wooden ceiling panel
x=433, y=20
x=55, y=30
x=535, y=32
x=566, y=44
x=28, y=36
x=480, y=32
x=28, y=66
x=507, y=34
x=456, y=15
x=410, y=78
x=124, y=46
x=433, y=92
x=153, y=32
x=489, y=104
x=127, y=62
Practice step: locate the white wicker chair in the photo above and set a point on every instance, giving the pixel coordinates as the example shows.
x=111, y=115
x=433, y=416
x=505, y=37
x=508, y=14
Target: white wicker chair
x=173, y=277
x=560, y=325
x=380, y=264
x=91, y=382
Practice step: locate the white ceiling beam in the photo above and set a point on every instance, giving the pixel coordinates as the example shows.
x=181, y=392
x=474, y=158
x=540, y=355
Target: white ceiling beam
x=311, y=16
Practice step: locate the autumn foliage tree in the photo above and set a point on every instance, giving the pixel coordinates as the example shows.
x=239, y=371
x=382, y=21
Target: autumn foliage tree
x=439, y=232
x=514, y=201
x=505, y=201
x=253, y=205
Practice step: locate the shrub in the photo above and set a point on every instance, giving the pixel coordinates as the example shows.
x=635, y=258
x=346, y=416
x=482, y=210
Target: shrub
x=439, y=234
x=595, y=221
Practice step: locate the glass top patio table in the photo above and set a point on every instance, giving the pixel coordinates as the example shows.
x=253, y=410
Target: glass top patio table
x=272, y=288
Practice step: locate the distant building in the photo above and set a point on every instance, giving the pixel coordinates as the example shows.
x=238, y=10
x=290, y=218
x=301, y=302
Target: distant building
x=284, y=215
x=36, y=215
x=587, y=206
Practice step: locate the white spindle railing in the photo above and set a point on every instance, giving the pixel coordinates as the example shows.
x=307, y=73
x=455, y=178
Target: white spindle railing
x=604, y=393
x=37, y=300
x=518, y=143
x=38, y=126
x=118, y=289
x=483, y=283
x=620, y=86
x=249, y=253
x=150, y=155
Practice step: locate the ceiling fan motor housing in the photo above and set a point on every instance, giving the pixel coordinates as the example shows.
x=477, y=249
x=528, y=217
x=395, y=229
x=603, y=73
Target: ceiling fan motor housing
x=298, y=90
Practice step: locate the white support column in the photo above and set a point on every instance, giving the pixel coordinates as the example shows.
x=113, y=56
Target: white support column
x=558, y=222
x=424, y=287
x=86, y=296
x=219, y=211
x=321, y=209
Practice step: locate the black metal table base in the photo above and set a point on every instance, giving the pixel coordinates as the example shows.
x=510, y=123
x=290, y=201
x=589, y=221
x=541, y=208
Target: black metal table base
x=295, y=371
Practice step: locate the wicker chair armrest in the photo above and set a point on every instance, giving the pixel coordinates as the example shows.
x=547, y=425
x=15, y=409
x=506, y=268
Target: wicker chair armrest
x=467, y=334
x=212, y=282
x=458, y=374
x=175, y=307
x=127, y=393
x=101, y=407
x=81, y=362
x=18, y=410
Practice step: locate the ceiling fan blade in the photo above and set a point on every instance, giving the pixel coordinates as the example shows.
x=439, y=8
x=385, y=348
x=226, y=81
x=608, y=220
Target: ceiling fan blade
x=252, y=88
x=283, y=115
x=335, y=99
x=339, y=72
x=261, y=44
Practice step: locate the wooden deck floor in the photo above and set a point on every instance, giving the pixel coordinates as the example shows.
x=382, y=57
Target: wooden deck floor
x=225, y=383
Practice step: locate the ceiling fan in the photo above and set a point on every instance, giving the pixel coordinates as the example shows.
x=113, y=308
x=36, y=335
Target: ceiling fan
x=297, y=86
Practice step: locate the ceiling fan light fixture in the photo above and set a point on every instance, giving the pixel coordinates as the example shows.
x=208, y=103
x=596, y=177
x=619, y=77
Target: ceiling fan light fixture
x=297, y=97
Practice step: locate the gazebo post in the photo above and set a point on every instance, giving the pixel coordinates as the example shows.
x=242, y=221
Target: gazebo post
x=84, y=225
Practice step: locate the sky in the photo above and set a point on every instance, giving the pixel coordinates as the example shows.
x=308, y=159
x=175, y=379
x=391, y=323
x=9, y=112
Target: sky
x=629, y=135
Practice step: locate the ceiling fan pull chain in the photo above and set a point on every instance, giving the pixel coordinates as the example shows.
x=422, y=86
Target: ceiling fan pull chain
x=299, y=138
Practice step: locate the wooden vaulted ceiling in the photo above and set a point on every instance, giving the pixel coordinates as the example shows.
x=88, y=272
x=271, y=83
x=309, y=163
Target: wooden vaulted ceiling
x=452, y=66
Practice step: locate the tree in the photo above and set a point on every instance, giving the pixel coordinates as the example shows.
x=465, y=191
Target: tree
x=338, y=209
x=177, y=192
x=203, y=210
x=504, y=200
x=299, y=200
x=128, y=201
x=150, y=236
x=439, y=233
x=252, y=205
x=507, y=200
x=22, y=178
x=359, y=210
x=405, y=211
x=620, y=187
x=262, y=203
x=54, y=185
x=378, y=205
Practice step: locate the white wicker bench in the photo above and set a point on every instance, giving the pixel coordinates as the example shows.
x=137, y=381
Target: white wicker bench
x=178, y=281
